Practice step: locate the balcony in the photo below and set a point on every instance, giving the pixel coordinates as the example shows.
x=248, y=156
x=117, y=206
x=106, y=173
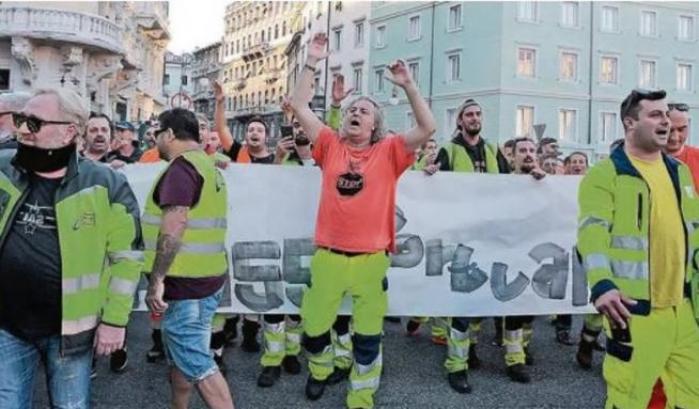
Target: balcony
x=239, y=84
x=61, y=25
x=255, y=51
x=273, y=75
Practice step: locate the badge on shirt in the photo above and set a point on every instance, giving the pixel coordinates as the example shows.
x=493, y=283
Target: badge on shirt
x=351, y=182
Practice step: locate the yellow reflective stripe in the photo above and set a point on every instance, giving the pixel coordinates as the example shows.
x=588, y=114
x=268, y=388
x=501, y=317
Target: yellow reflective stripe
x=632, y=270
x=77, y=284
x=595, y=261
x=371, y=383
x=293, y=338
x=121, y=286
x=365, y=369
x=272, y=346
x=198, y=248
x=512, y=340
x=77, y=326
x=592, y=220
x=126, y=255
x=211, y=223
x=629, y=242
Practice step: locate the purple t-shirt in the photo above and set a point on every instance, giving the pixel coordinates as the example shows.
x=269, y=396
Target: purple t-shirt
x=181, y=186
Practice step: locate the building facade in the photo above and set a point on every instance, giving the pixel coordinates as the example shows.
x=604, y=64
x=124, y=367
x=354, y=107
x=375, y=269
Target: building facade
x=109, y=52
x=177, y=80
x=253, y=61
x=206, y=69
x=557, y=69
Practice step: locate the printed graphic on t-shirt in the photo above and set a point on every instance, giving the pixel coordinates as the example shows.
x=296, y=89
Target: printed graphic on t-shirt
x=351, y=182
x=33, y=216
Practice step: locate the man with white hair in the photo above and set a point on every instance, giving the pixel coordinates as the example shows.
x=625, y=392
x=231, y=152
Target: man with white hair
x=9, y=103
x=355, y=229
x=69, y=254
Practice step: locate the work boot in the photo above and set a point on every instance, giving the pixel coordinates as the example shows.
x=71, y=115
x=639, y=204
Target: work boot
x=314, y=388
x=338, y=376
x=528, y=357
x=220, y=363
x=563, y=337
x=269, y=376
x=250, y=343
x=291, y=364
x=156, y=352
x=230, y=330
x=584, y=355
x=118, y=360
x=518, y=373
x=459, y=381
x=412, y=327
x=474, y=362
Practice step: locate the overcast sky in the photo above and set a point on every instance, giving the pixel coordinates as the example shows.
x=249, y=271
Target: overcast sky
x=195, y=23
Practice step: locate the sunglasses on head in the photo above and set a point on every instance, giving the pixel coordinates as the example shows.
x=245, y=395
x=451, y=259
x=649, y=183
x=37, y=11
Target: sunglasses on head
x=682, y=107
x=34, y=124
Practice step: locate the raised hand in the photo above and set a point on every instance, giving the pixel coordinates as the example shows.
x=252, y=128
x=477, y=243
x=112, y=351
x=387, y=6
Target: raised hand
x=338, y=91
x=317, y=47
x=400, y=75
x=218, y=92
x=285, y=106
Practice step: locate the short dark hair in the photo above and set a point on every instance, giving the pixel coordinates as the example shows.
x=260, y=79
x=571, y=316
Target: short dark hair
x=259, y=119
x=520, y=140
x=615, y=144
x=101, y=115
x=183, y=122
x=570, y=157
x=678, y=106
x=630, y=106
x=510, y=143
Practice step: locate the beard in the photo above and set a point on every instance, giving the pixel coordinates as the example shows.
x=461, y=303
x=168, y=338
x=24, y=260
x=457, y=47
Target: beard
x=473, y=131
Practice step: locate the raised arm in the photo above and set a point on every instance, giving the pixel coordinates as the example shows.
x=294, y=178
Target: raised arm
x=220, y=118
x=303, y=92
x=424, y=121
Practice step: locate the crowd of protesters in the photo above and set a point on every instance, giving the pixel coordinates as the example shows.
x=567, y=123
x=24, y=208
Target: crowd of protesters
x=64, y=202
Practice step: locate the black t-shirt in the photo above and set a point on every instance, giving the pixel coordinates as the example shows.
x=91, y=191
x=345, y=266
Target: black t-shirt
x=235, y=150
x=477, y=155
x=133, y=158
x=30, y=266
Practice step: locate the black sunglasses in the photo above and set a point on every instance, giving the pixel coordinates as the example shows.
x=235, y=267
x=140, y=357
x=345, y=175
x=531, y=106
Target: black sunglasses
x=34, y=124
x=682, y=107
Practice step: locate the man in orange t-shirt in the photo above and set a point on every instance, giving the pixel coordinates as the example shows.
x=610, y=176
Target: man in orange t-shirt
x=677, y=140
x=355, y=228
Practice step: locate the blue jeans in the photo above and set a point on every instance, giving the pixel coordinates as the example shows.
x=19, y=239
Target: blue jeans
x=186, y=332
x=68, y=377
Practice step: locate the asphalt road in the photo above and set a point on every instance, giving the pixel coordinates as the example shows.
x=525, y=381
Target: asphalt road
x=413, y=377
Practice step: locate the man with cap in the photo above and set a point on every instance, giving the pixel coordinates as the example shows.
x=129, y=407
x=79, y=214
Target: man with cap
x=126, y=149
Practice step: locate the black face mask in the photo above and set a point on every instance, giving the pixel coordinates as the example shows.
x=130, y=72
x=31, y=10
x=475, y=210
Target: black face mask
x=41, y=160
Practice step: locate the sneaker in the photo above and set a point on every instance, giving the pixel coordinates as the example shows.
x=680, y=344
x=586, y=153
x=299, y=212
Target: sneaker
x=230, y=330
x=412, y=327
x=156, y=353
x=563, y=337
x=220, y=363
x=291, y=364
x=338, y=376
x=584, y=354
x=118, y=360
x=474, y=362
x=269, y=376
x=518, y=373
x=314, y=388
x=459, y=382
x=439, y=340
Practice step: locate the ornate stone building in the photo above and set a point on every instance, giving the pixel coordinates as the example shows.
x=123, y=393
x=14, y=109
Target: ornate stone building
x=206, y=68
x=109, y=52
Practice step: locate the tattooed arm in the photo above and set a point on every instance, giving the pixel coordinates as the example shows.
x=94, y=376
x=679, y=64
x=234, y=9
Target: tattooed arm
x=173, y=224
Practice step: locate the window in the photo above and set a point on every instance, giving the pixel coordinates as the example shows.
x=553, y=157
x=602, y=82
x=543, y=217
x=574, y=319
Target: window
x=524, y=121
x=526, y=62
x=409, y=120
x=316, y=86
x=357, y=84
x=414, y=28
x=608, y=70
x=454, y=17
x=648, y=26
x=380, y=37
x=378, y=80
x=569, y=66
x=450, y=119
x=527, y=10
x=414, y=68
x=684, y=77
x=276, y=32
x=646, y=78
x=166, y=79
x=569, y=14
x=283, y=28
x=337, y=39
x=608, y=125
x=685, y=28
x=454, y=67
x=4, y=79
x=567, y=125
x=359, y=34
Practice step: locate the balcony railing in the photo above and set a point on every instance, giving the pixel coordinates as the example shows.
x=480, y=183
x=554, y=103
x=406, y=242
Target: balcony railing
x=60, y=25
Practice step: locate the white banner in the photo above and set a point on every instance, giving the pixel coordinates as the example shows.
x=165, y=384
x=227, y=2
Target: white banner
x=469, y=245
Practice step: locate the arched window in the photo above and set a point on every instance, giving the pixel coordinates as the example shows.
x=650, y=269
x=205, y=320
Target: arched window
x=269, y=33
x=283, y=28
x=259, y=98
x=276, y=31
x=262, y=36
x=266, y=97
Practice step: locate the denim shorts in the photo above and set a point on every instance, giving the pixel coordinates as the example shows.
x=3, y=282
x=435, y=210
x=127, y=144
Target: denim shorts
x=186, y=332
